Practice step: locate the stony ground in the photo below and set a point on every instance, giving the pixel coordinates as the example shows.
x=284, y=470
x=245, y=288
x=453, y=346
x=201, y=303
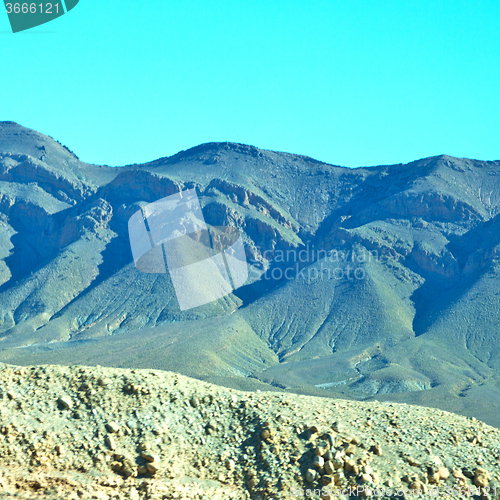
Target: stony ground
x=82, y=433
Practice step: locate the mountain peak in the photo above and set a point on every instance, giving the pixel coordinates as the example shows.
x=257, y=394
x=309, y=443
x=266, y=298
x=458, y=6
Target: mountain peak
x=17, y=139
x=213, y=148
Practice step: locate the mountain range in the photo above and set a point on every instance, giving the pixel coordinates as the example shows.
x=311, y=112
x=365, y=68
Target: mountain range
x=367, y=283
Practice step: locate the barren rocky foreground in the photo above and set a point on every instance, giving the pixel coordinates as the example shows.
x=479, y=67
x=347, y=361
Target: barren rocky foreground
x=90, y=432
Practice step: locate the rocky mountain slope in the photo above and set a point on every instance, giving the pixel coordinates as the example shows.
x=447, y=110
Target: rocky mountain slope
x=395, y=295
x=102, y=433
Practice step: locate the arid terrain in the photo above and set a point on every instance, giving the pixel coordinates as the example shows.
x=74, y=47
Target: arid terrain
x=305, y=381
x=392, y=287
x=103, y=433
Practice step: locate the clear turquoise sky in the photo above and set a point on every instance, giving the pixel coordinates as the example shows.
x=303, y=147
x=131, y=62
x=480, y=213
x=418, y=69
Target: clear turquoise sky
x=351, y=82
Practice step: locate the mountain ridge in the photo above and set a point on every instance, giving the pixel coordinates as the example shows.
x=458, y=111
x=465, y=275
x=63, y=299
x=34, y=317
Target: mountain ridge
x=430, y=285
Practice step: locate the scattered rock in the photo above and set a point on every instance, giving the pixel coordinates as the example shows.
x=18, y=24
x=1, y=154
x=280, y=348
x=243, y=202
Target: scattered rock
x=443, y=473
x=321, y=448
x=481, y=472
x=413, y=462
x=112, y=427
x=150, y=458
x=311, y=475
x=481, y=481
x=153, y=467
x=65, y=402
x=350, y=450
x=111, y=442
